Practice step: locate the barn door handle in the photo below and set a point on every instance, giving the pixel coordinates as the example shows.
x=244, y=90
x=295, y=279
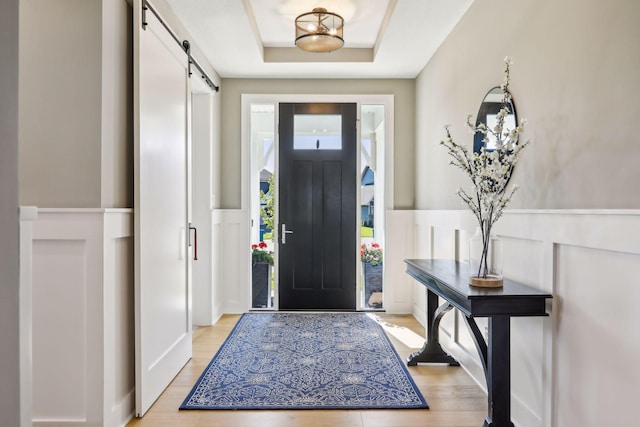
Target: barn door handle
x=284, y=233
x=195, y=241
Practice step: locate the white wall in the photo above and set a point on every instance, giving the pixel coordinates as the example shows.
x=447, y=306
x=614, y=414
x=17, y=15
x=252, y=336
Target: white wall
x=9, y=243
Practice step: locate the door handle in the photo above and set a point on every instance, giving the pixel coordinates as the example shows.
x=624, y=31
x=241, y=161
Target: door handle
x=284, y=234
x=195, y=241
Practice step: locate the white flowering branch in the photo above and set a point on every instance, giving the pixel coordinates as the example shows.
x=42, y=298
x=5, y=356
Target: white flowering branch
x=489, y=170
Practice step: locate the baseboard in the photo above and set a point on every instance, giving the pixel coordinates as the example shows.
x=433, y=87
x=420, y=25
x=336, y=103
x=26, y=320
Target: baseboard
x=123, y=411
x=522, y=415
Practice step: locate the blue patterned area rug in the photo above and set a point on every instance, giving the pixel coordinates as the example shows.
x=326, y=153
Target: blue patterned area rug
x=306, y=361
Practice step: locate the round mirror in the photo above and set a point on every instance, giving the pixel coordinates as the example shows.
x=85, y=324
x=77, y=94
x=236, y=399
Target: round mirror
x=491, y=105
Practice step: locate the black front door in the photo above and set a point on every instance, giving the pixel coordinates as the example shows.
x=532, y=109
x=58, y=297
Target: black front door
x=317, y=207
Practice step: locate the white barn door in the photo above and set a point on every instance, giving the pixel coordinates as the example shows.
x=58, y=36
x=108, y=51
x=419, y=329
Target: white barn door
x=162, y=294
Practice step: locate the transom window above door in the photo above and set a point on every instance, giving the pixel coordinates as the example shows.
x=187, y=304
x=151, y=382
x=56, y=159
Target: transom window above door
x=317, y=132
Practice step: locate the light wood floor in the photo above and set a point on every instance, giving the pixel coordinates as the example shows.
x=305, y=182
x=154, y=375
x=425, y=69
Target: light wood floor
x=454, y=399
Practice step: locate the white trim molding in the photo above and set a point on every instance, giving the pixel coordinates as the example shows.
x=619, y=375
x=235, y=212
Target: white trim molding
x=28, y=214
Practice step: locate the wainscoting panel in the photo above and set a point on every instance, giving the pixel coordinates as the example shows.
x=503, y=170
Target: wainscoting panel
x=60, y=329
x=522, y=259
x=235, y=256
x=217, y=267
x=398, y=286
x=598, y=337
x=119, y=335
x=82, y=317
x=201, y=271
x=575, y=367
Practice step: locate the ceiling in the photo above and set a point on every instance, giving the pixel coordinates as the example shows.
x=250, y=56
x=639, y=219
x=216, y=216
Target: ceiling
x=255, y=38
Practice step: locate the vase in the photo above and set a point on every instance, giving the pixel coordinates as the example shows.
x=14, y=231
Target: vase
x=485, y=260
x=373, y=284
x=260, y=278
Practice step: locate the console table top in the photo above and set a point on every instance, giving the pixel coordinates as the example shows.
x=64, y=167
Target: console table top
x=450, y=280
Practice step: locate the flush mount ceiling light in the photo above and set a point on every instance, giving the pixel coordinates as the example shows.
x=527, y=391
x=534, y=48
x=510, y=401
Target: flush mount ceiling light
x=319, y=31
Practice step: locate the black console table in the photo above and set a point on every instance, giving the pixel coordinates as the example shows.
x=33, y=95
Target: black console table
x=449, y=280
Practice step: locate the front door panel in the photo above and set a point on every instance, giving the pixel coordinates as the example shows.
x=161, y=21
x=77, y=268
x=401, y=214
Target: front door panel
x=317, y=204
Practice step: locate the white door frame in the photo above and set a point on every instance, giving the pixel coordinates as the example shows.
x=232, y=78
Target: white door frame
x=245, y=150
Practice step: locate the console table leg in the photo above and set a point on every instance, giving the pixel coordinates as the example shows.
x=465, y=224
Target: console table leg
x=499, y=372
x=432, y=351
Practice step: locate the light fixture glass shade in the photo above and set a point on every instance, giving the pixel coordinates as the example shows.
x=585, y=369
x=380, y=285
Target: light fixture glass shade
x=319, y=31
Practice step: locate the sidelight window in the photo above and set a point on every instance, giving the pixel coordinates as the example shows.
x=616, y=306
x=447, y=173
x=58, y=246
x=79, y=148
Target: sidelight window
x=372, y=136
